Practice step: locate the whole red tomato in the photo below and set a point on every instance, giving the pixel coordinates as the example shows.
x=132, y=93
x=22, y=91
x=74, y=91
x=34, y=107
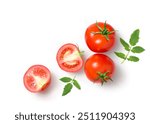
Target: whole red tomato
x=100, y=37
x=99, y=68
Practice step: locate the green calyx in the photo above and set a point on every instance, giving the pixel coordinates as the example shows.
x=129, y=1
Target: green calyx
x=103, y=31
x=103, y=77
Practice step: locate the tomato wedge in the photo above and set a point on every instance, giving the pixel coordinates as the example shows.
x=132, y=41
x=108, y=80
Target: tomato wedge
x=37, y=78
x=69, y=58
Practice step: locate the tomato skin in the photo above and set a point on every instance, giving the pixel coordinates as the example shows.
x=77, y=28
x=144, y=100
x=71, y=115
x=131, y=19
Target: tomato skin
x=71, y=50
x=98, y=42
x=98, y=63
x=42, y=73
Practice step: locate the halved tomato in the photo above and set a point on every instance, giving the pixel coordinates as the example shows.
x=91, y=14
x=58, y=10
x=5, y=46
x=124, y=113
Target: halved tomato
x=69, y=58
x=37, y=78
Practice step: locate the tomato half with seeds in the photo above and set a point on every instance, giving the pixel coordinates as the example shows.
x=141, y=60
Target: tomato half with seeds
x=100, y=37
x=37, y=78
x=99, y=68
x=69, y=58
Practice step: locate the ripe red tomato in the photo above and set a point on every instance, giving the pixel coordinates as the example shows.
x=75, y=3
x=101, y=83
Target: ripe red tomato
x=99, y=68
x=100, y=37
x=69, y=58
x=37, y=78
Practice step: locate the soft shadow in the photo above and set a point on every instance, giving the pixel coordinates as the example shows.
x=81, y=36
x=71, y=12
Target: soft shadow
x=51, y=88
x=118, y=78
x=119, y=74
x=117, y=45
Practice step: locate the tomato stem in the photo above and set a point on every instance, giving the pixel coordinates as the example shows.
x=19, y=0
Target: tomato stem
x=126, y=55
x=74, y=77
x=103, y=77
x=81, y=53
x=104, y=31
x=99, y=27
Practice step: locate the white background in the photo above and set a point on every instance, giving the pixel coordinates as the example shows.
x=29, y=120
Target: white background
x=31, y=32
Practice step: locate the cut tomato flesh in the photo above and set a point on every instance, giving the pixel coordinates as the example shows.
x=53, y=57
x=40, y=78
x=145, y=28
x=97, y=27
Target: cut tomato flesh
x=69, y=59
x=36, y=78
x=38, y=82
x=70, y=64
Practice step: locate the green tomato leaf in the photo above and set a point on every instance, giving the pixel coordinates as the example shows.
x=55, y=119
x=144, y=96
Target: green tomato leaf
x=65, y=79
x=137, y=49
x=134, y=37
x=76, y=84
x=125, y=44
x=67, y=89
x=120, y=55
x=133, y=58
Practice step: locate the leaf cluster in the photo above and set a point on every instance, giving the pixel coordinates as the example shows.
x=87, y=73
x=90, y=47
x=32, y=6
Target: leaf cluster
x=69, y=84
x=131, y=47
